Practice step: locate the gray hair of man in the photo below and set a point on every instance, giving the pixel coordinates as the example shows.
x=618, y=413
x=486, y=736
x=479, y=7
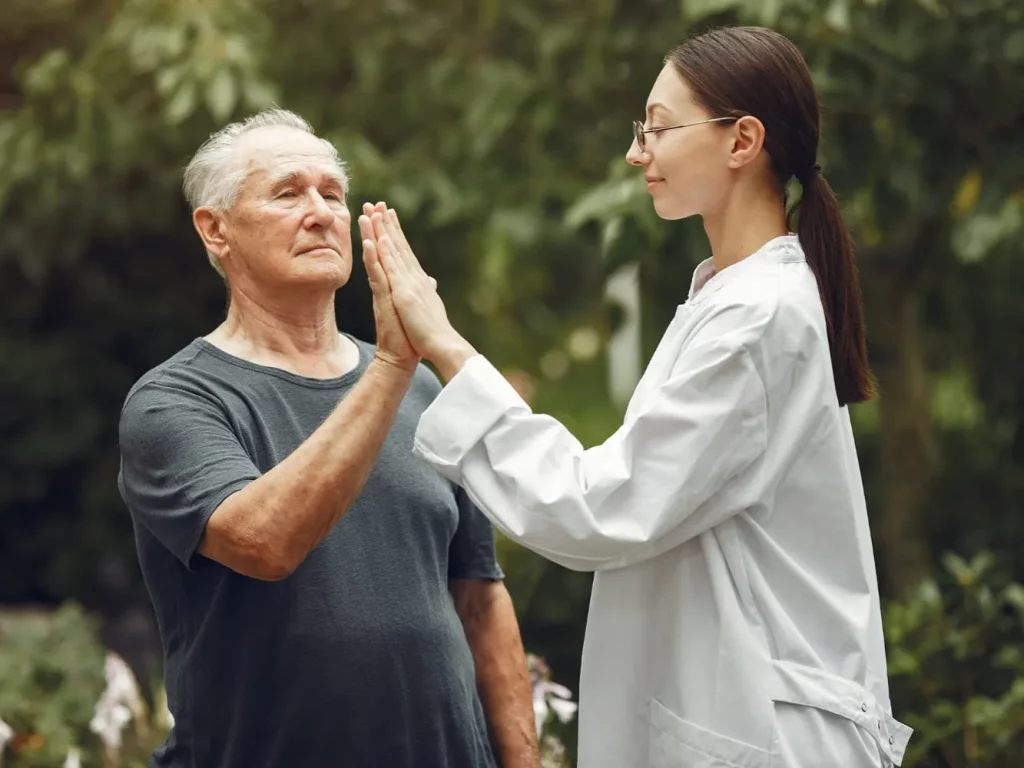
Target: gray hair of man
x=216, y=173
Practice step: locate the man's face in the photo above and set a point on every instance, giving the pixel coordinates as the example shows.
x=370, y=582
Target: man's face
x=290, y=225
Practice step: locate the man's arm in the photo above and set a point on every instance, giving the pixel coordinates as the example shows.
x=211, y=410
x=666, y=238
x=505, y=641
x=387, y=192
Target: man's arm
x=266, y=529
x=486, y=611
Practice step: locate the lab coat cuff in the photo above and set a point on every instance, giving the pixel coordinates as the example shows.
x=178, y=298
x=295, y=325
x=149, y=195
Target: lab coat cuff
x=465, y=411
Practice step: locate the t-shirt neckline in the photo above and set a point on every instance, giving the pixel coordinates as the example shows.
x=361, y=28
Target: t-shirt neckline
x=304, y=381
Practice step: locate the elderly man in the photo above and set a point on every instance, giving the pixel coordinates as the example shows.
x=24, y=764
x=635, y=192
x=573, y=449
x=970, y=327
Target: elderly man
x=324, y=598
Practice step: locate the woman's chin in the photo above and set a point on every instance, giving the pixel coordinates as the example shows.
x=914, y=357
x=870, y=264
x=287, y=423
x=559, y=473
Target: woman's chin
x=670, y=209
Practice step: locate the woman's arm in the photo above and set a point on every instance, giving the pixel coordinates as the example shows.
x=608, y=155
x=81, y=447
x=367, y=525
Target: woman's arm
x=678, y=466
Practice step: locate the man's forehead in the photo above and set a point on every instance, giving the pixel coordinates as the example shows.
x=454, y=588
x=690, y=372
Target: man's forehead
x=312, y=167
x=284, y=152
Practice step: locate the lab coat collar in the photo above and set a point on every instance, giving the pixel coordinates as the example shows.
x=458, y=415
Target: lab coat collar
x=780, y=249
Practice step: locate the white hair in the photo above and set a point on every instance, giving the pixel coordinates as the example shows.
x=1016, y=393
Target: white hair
x=216, y=173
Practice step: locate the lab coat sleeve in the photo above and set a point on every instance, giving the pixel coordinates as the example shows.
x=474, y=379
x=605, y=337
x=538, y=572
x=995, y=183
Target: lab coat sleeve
x=680, y=464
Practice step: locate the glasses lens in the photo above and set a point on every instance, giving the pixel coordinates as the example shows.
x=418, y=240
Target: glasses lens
x=638, y=131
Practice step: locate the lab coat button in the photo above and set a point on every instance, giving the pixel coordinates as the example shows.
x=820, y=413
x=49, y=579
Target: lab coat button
x=863, y=707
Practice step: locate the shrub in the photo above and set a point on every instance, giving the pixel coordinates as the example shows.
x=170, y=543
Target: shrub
x=956, y=663
x=51, y=675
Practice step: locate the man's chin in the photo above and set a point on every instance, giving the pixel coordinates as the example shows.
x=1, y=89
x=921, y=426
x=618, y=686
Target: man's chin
x=328, y=274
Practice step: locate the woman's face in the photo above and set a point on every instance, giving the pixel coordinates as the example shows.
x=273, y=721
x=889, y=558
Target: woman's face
x=686, y=169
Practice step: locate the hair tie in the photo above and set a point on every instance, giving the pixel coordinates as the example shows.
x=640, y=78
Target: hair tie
x=811, y=173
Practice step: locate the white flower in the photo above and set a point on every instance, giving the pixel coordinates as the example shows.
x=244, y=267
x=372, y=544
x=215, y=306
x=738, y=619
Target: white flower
x=552, y=753
x=118, y=705
x=548, y=696
x=122, y=687
x=564, y=710
x=108, y=722
x=6, y=734
x=74, y=759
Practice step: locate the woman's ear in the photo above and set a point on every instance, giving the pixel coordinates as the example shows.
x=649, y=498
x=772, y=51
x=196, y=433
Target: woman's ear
x=210, y=227
x=747, y=141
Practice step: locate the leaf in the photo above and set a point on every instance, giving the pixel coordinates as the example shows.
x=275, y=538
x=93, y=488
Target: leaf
x=605, y=200
x=954, y=402
x=259, y=94
x=959, y=568
x=222, y=94
x=967, y=193
x=838, y=15
x=1014, y=595
x=183, y=104
x=695, y=10
x=978, y=235
x=169, y=78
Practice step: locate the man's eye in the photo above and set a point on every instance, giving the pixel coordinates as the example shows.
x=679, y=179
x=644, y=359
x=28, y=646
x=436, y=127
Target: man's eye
x=286, y=193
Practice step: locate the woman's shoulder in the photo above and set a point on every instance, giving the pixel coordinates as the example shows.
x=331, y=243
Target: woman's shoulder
x=770, y=305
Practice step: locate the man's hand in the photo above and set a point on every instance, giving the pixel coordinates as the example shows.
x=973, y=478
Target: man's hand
x=392, y=344
x=414, y=294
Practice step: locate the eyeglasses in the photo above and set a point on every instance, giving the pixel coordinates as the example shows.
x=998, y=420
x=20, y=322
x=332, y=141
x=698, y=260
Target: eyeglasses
x=641, y=133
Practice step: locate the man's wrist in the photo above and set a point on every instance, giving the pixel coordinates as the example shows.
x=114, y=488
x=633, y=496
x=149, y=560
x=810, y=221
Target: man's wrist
x=392, y=367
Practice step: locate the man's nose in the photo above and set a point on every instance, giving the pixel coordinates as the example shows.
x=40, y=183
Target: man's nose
x=320, y=213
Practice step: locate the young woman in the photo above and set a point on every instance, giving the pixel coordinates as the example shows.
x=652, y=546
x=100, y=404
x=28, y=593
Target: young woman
x=735, y=615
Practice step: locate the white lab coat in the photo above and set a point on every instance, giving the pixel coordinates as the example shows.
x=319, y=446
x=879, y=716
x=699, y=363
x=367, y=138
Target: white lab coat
x=734, y=620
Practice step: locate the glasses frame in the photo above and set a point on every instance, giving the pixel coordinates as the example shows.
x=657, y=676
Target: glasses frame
x=640, y=133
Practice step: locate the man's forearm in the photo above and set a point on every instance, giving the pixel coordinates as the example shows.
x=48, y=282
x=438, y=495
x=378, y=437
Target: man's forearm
x=502, y=677
x=287, y=511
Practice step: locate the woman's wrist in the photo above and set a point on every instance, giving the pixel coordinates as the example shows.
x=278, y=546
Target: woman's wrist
x=450, y=355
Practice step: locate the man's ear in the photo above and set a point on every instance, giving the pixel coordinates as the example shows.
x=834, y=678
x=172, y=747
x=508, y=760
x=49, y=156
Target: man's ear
x=210, y=226
x=747, y=141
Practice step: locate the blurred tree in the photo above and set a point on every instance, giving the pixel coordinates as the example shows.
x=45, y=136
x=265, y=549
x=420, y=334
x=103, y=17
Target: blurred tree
x=498, y=130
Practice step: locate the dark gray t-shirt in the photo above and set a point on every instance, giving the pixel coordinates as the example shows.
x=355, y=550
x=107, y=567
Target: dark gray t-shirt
x=358, y=659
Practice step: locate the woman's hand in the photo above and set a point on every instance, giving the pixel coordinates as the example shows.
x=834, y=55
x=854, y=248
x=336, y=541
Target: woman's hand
x=414, y=294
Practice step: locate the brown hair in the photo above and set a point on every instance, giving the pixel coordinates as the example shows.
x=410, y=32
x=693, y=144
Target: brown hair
x=736, y=71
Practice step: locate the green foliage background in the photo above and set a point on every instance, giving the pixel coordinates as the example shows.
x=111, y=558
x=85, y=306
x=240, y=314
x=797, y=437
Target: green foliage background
x=498, y=130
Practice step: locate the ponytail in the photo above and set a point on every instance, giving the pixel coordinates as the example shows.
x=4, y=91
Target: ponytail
x=829, y=250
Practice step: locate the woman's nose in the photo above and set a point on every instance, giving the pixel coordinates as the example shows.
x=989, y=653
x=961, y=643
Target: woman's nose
x=636, y=156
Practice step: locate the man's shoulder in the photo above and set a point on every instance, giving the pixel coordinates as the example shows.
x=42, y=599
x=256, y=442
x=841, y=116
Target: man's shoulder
x=179, y=373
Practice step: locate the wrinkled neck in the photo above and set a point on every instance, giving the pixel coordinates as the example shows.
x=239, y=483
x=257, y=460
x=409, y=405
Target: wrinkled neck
x=299, y=334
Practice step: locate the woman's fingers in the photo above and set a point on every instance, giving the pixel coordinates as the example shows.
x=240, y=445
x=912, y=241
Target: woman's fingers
x=390, y=261
x=396, y=232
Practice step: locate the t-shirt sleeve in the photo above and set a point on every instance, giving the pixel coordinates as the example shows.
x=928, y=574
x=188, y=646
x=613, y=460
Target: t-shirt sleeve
x=471, y=554
x=179, y=460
